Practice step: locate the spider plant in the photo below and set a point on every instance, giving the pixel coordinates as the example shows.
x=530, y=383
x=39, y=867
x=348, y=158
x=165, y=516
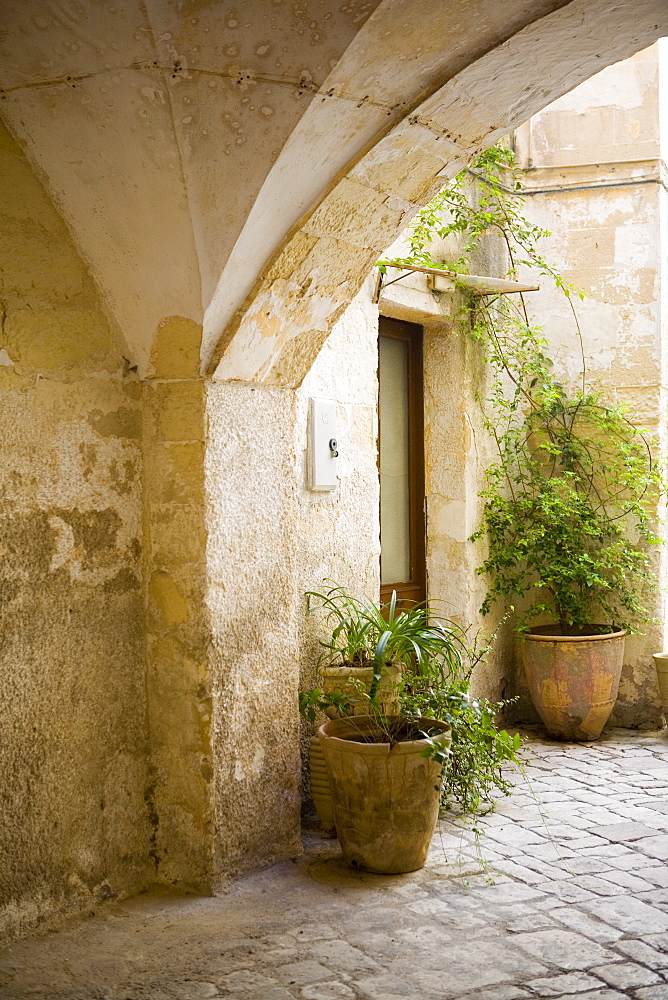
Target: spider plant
x=364, y=633
x=437, y=661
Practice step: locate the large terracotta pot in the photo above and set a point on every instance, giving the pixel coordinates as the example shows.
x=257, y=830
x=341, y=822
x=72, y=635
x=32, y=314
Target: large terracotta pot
x=661, y=661
x=386, y=797
x=337, y=680
x=573, y=679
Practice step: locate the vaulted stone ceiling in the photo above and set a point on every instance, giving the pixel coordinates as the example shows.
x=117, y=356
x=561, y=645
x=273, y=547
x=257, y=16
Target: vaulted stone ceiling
x=187, y=143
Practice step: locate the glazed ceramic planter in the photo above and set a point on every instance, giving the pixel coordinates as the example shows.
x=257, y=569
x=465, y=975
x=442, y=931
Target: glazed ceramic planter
x=338, y=680
x=573, y=680
x=385, y=797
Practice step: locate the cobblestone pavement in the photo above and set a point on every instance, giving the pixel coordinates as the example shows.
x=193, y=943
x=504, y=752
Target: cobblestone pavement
x=572, y=904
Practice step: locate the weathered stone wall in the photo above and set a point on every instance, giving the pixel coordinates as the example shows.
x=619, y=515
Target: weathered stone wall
x=252, y=598
x=269, y=540
x=73, y=823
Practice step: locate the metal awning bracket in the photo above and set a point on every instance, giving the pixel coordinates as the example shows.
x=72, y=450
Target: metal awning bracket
x=442, y=280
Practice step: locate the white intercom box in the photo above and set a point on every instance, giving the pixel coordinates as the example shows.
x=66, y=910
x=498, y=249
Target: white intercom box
x=323, y=446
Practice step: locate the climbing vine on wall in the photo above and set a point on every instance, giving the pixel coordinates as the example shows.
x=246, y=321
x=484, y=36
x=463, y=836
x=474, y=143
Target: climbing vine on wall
x=569, y=501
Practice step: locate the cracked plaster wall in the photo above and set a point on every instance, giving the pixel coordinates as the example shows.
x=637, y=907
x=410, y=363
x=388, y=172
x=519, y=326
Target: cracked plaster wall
x=73, y=823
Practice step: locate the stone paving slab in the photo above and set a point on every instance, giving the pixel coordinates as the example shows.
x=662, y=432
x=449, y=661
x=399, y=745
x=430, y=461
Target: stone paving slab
x=563, y=896
x=620, y=832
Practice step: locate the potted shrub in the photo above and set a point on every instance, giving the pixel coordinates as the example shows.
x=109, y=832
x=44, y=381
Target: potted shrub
x=567, y=519
x=365, y=652
x=569, y=502
x=385, y=771
x=568, y=505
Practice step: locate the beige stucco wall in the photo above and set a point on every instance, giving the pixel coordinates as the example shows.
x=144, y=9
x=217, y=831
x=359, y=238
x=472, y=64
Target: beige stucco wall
x=73, y=826
x=340, y=530
x=252, y=548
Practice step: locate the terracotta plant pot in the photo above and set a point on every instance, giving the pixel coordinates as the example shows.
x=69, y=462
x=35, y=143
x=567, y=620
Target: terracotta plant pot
x=661, y=661
x=321, y=792
x=337, y=680
x=573, y=679
x=386, y=797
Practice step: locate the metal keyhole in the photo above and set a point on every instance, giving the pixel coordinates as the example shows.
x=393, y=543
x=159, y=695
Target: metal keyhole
x=333, y=447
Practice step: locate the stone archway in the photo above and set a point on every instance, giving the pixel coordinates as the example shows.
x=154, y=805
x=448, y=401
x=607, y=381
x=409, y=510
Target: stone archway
x=240, y=165
x=313, y=273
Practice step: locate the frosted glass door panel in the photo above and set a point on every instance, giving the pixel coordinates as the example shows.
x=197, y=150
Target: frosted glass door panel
x=395, y=559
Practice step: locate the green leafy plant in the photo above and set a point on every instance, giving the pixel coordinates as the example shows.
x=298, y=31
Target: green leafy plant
x=568, y=507
x=314, y=701
x=569, y=502
x=474, y=764
x=437, y=664
x=476, y=212
x=366, y=634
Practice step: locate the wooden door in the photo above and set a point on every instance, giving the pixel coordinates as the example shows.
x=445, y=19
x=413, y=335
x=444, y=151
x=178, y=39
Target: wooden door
x=401, y=460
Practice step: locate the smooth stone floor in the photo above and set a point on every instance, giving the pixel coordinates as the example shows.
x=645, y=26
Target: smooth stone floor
x=571, y=903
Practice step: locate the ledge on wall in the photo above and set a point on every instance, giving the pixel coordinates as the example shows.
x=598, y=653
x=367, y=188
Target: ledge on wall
x=416, y=294
x=412, y=300
x=476, y=283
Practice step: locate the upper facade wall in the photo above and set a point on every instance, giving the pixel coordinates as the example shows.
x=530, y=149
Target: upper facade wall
x=611, y=118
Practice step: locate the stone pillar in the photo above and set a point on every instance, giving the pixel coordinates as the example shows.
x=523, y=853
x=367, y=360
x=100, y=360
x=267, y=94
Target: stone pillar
x=179, y=794
x=252, y=599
